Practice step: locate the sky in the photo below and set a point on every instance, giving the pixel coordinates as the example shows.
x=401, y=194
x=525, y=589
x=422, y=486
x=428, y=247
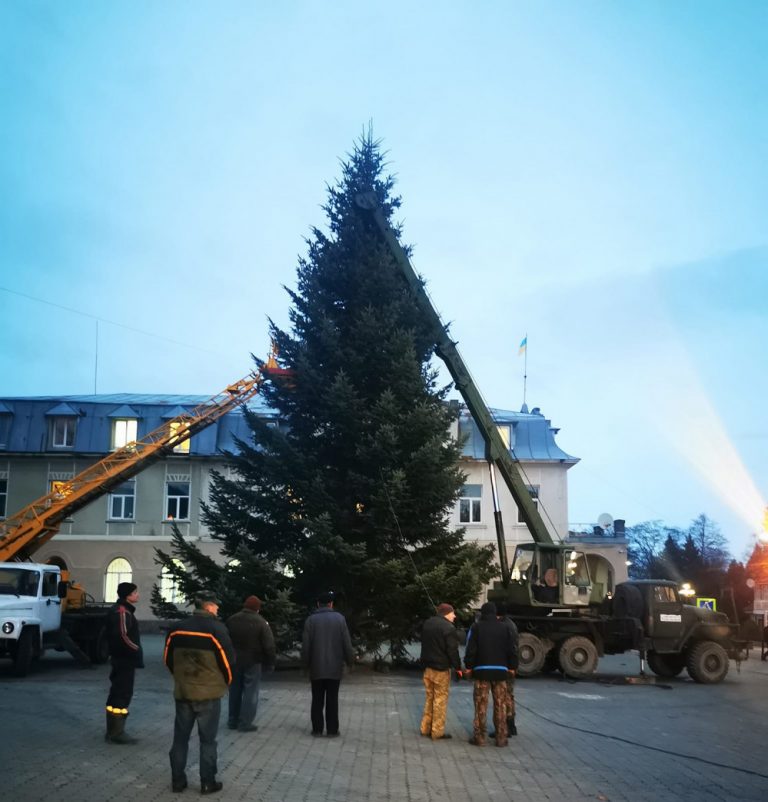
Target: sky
x=593, y=175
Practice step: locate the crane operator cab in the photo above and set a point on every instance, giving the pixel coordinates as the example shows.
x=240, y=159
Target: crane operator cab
x=551, y=576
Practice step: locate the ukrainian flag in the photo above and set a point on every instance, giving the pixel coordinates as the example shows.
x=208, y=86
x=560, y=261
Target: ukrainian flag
x=523, y=345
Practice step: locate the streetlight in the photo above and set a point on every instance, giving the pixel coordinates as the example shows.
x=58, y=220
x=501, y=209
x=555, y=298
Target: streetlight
x=686, y=590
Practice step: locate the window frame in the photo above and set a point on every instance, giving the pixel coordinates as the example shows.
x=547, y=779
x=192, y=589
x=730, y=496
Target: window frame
x=3, y=495
x=114, y=496
x=472, y=503
x=177, y=499
x=126, y=438
x=70, y=427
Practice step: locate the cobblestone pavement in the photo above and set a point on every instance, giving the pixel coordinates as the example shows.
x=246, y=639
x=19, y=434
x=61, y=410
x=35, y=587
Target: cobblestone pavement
x=599, y=740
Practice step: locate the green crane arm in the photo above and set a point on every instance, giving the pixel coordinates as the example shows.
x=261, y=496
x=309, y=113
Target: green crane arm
x=496, y=450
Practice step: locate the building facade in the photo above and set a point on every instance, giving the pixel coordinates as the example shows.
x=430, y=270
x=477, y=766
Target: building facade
x=48, y=440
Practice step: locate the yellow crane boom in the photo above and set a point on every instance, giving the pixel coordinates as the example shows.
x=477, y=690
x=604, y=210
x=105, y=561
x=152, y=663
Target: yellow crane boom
x=33, y=526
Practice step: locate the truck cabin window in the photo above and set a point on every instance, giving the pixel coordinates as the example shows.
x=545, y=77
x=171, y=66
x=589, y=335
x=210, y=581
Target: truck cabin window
x=19, y=582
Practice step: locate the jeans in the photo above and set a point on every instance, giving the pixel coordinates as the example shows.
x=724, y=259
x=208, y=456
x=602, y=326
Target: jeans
x=207, y=716
x=244, y=696
x=325, y=693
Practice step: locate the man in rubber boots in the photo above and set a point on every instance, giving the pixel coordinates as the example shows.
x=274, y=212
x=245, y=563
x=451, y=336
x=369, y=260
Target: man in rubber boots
x=126, y=654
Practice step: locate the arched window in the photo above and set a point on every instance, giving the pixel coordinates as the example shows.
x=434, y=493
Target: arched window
x=119, y=570
x=169, y=587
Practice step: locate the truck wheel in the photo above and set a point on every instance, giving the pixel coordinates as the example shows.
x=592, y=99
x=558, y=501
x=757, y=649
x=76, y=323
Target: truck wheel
x=708, y=662
x=666, y=665
x=578, y=657
x=531, y=652
x=24, y=654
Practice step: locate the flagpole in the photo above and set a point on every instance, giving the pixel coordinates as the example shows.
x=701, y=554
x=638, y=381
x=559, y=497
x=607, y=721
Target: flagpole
x=524, y=350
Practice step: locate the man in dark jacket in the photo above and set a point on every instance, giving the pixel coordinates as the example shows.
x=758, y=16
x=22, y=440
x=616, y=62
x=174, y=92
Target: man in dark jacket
x=490, y=656
x=255, y=647
x=199, y=654
x=439, y=654
x=325, y=648
x=122, y=630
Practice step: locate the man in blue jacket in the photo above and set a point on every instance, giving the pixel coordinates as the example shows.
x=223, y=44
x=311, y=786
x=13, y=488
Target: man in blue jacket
x=490, y=655
x=325, y=648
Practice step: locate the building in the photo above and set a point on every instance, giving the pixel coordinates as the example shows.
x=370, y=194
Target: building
x=45, y=441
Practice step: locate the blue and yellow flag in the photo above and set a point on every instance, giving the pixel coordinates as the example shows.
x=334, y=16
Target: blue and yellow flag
x=523, y=345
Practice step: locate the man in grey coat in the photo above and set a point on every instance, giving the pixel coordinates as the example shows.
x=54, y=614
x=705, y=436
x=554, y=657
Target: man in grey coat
x=325, y=648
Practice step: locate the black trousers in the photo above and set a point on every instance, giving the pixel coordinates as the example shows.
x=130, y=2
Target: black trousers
x=325, y=694
x=121, y=689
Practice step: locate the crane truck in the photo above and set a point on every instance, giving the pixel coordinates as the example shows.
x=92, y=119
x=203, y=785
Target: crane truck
x=40, y=607
x=568, y=622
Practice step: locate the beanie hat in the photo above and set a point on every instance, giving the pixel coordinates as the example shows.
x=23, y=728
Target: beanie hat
x=444, y=608
x=125, y=589
x=252, y=603
x=488, y=610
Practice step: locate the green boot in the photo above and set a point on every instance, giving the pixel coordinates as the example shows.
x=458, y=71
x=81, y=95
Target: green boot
x=116, y=729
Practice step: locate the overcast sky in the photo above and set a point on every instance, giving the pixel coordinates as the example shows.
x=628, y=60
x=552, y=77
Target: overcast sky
x=591, y=174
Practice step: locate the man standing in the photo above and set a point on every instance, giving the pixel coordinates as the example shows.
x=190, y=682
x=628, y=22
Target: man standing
x=439, y=654
x=199, y=654
x=255, y=647
x=122, y=631
x=490, y=656
x=325, y=648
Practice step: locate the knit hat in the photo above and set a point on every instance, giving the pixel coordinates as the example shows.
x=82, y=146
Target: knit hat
x=488, y=610
x=252, y=603
x=444, y=608
x=124, y=589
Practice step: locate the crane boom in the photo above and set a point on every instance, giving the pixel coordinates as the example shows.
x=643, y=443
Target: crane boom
x=33, y=526
x=496, y=450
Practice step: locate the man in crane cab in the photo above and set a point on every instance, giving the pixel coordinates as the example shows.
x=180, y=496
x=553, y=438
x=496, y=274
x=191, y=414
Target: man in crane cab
x=122, y=630
x=548, y=591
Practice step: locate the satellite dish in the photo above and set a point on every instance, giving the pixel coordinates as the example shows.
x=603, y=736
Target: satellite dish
x=605, y=520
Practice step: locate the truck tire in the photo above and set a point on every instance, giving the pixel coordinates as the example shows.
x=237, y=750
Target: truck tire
x=24, y=654
x=707, y=662
x=578, y=657
x=666, y=665
x=531, y=652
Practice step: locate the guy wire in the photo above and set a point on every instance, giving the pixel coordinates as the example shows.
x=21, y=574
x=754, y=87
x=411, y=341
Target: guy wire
x=400, y=532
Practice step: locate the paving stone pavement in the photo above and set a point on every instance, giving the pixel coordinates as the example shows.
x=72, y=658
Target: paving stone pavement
x=602, y=740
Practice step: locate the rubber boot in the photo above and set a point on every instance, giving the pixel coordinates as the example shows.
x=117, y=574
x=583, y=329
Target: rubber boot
x=511, y=728
x=116, y=730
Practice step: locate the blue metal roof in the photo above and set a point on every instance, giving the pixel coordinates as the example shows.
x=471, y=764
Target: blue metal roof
x=532, y=436
x=29, y=427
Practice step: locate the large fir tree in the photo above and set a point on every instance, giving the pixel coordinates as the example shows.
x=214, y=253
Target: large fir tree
x=352, y=491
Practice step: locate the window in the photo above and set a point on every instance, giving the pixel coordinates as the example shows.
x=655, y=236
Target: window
x=123, y=432
x=3, y=494
x=119, y=570
x=5, y=429
x=63, y=432
x=169, y=587
x=663, y=593
x=50, y=584
x=505, y=431
x=177, y=501
x=121, y=502
x=534, y=491
x=178, y=428
x=469, y=504
x=761, y=592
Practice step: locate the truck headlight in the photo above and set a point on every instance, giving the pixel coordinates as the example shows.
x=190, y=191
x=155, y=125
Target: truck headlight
x=7, y=628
